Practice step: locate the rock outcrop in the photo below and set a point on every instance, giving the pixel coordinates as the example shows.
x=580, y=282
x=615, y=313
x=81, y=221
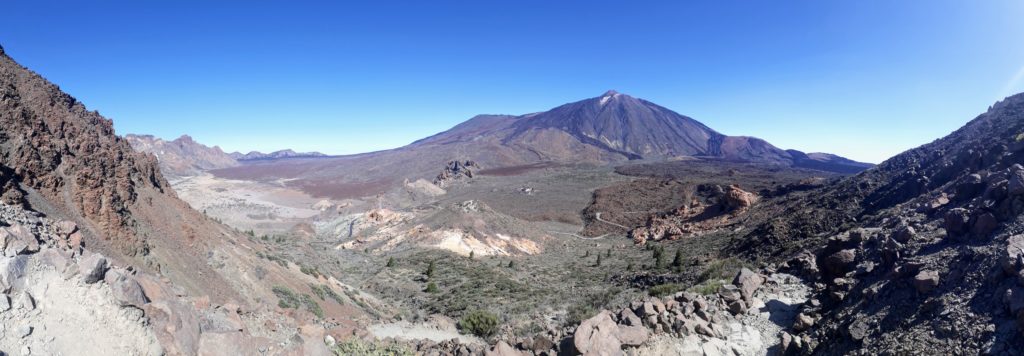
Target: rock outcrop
x=182, y=156
x=455, y=171
x=712, y=207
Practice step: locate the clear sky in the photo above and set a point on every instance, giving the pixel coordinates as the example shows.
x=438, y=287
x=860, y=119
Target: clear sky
x=863, y=79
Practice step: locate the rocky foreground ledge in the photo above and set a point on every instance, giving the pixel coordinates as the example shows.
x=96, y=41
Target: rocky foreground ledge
x=59, y=298
x=750, y=316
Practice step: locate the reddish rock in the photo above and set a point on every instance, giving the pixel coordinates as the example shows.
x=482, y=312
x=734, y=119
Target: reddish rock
x=841, y=262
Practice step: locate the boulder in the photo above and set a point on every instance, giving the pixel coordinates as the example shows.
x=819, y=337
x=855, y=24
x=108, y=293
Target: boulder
x=1014, y=299
x=632, y=335
x=737, y=307
x=127, y=291
x=11, y=270
x=841, y=262
x=627, y=317
x=955, y=221
x=65, y=227
x=803, y=322
x=904, y=234
x=542, y=344
x=730, y=293
x=858, y=330
x=598, y=336
x=1012, y=256
x=1015, y=184
x=17, y=240
x=25, y=301
x=92, y=267
x=748, y=283
x=5, y=303
x=926, y=280
x=176, y=326
x=984, y=224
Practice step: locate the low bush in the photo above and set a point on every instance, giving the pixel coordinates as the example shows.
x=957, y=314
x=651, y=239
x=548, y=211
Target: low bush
x=480, y=323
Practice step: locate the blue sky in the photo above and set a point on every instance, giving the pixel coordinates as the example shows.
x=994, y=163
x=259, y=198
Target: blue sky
x=864, y=79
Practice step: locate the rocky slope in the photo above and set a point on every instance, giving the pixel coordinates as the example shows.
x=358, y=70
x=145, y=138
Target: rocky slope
x=69, y=181
x=182, y=156
x=921, y=252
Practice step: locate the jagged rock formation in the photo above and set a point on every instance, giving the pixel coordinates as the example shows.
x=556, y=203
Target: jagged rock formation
x=288, y=153
x=710, y=208
x=77, y=183
x=182, y=156
x=70, y=156
x=453, y=171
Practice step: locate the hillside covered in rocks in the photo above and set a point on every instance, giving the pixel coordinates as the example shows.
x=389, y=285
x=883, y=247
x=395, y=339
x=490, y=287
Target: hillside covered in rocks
x=96, y=246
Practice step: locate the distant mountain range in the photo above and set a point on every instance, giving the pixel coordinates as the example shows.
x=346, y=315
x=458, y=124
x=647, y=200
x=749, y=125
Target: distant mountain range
x=616, y=127
x=184, y=156
x=256, y=155
x=609, y=129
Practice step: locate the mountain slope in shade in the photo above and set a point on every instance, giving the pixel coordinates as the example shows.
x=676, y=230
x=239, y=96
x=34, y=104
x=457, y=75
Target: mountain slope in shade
x=182, y=156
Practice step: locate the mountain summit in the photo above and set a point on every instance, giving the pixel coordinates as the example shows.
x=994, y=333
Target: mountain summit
x=608, y=129
x=615, y=127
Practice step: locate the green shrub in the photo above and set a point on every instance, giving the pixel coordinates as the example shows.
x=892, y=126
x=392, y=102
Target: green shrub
x=312, y=271
x=721, y=269
x=286, y=298
x=662, y=290
x=431, y=288
x=323, y=292
x=430, y=270
x=391, y=262
x=480, y=323
x=312, y=306
x=708, y=287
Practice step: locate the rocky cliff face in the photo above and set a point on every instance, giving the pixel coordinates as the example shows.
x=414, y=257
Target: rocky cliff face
x=51, y=144
x=97, y=238
x=182, y=156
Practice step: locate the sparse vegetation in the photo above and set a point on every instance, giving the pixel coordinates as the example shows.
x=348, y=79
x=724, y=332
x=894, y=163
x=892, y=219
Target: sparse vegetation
x=430, y=270
x=357, y=347
x=323, y=292
x=659, y=257
x=312, y=306
x=480, y=323
x=721, y=269
x=677, y=261
x=662, y=290
x=708, y=287
x=286, y=298
x=312, y=271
